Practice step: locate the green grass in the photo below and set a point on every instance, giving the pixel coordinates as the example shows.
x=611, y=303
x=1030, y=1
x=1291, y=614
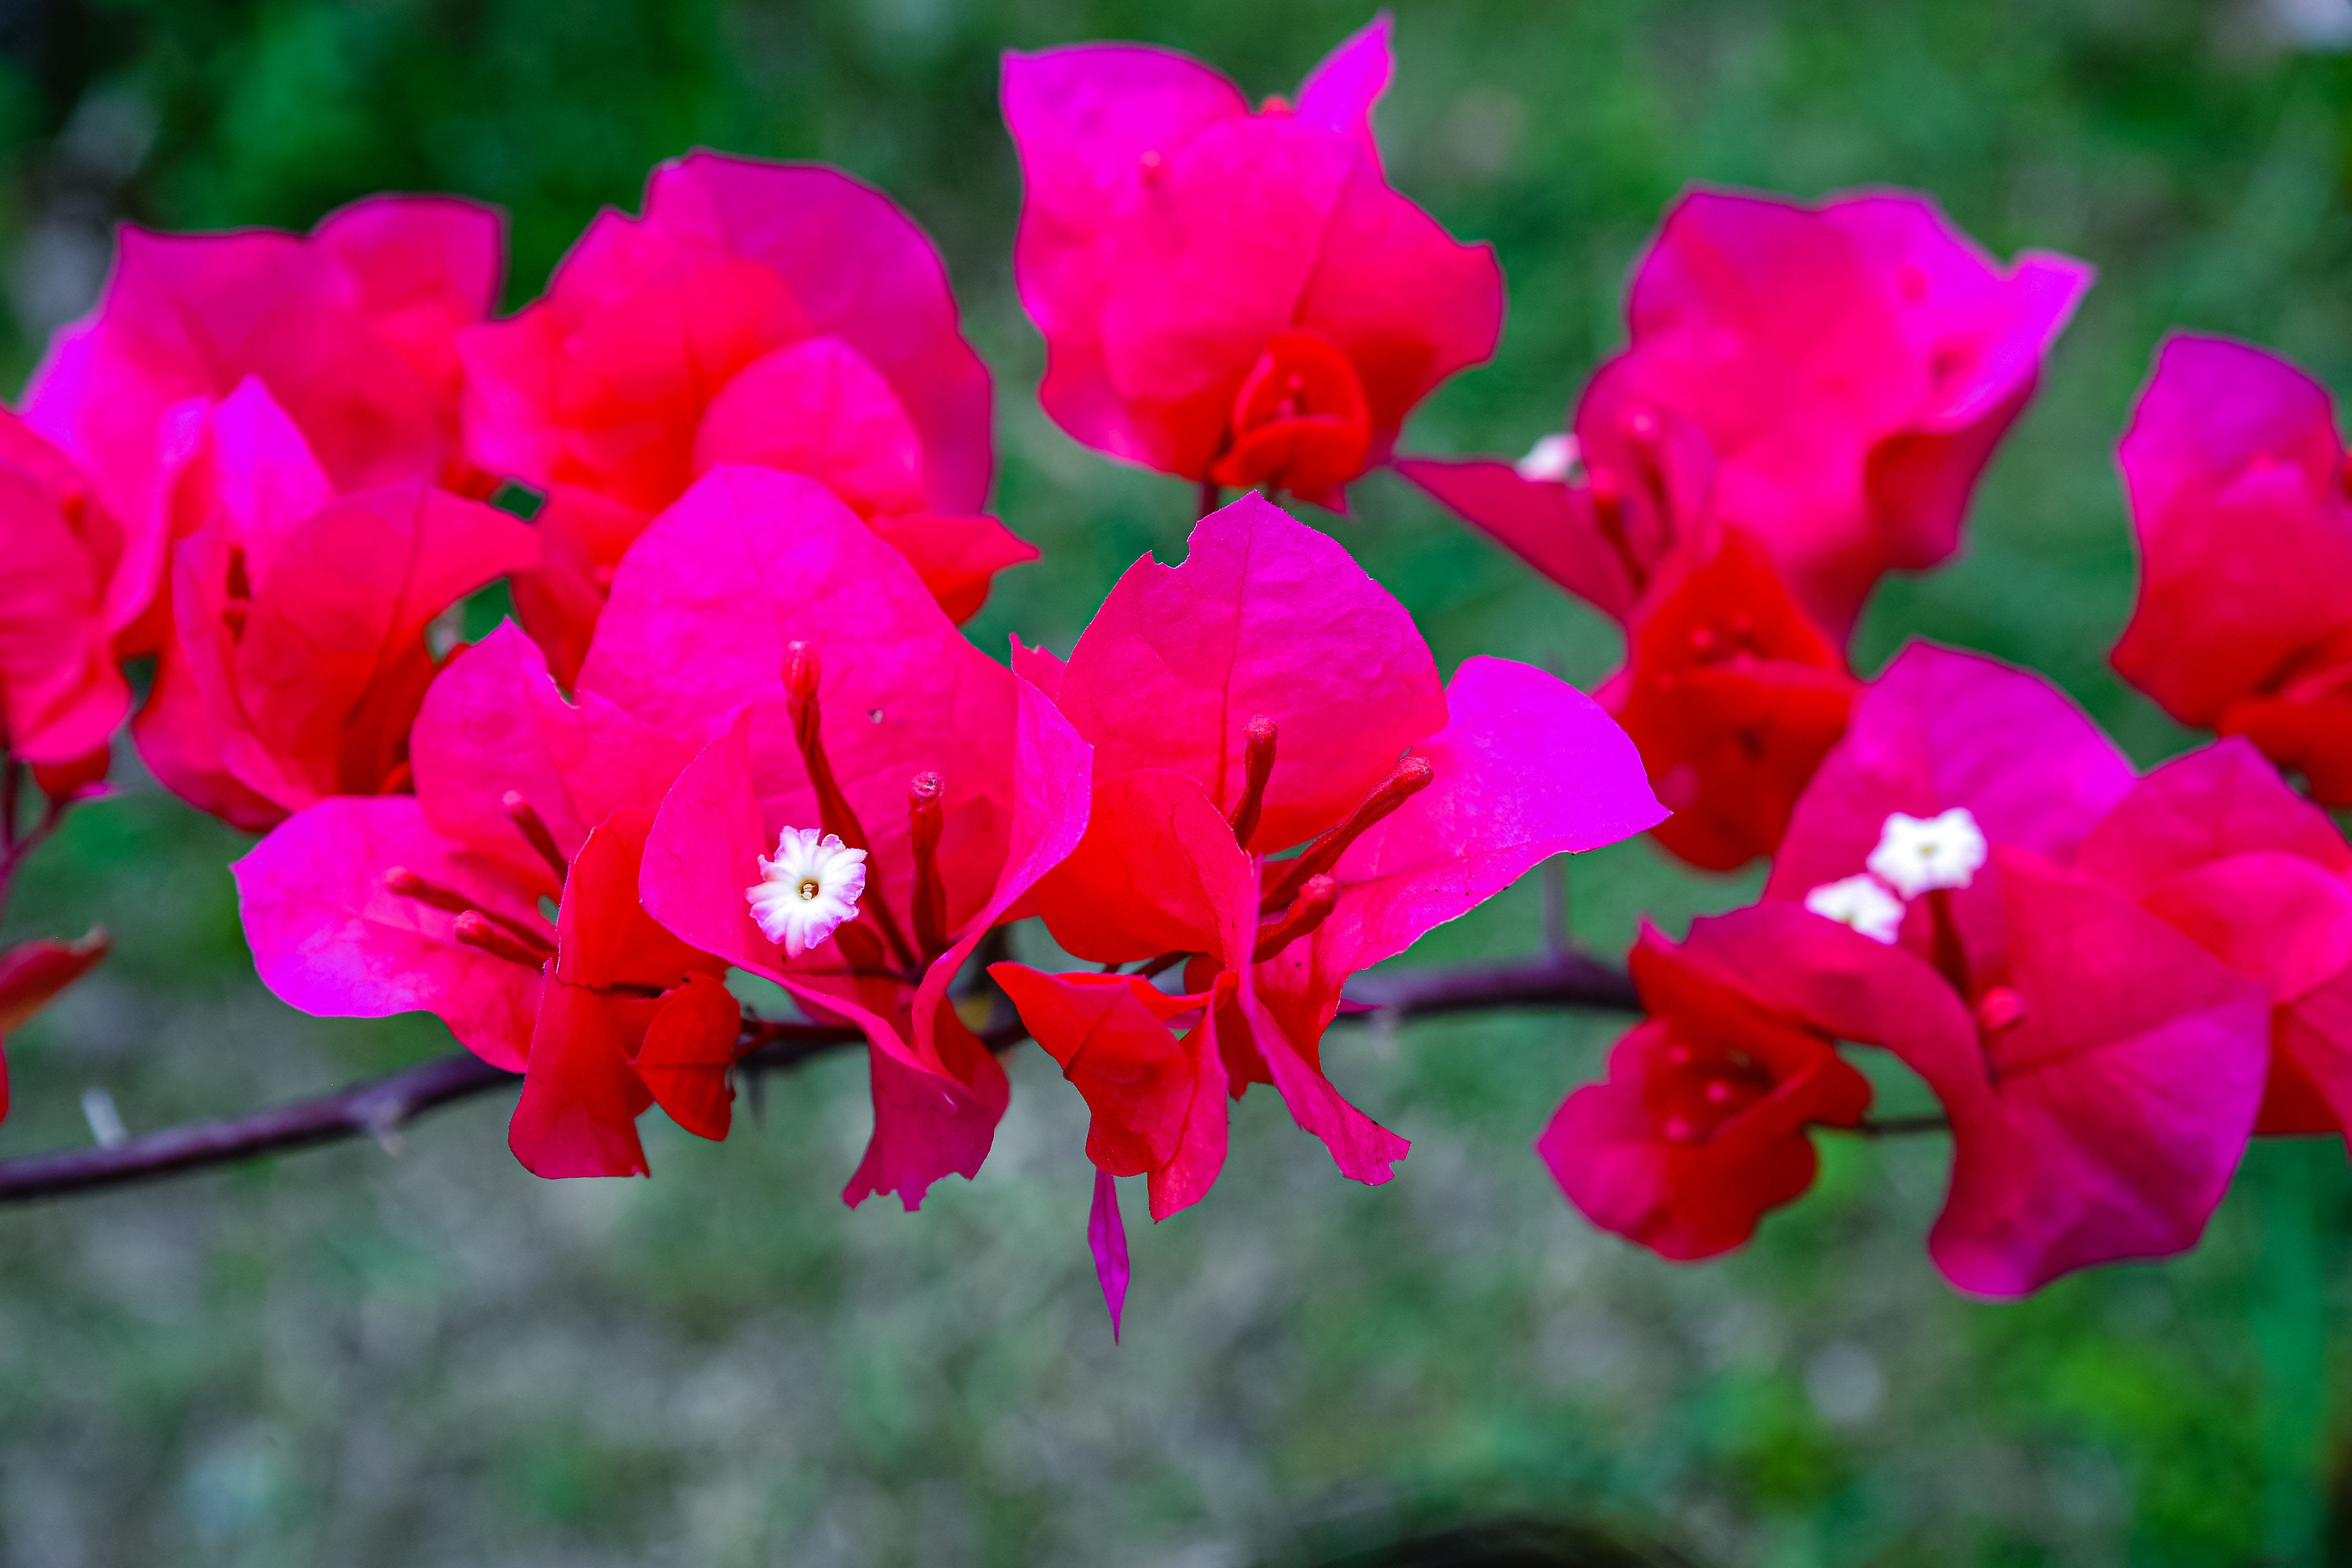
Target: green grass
x=346, y=1358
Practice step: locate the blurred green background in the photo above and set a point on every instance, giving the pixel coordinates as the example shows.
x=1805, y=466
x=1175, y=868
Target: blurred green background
x=349, y=1358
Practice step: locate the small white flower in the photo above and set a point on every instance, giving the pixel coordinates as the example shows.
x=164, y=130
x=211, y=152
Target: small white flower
x=1553, y=457
x=1919, y=855
x=808, y=890
x=1859, y=902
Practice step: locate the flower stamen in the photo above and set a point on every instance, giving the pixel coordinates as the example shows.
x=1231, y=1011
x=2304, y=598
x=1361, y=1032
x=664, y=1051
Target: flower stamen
x=402, y=883
x=1409, y=778
x=534, y=830
x=803, y=673
x=476, y=930
x=926, y=819
x=1309, y=910
x=1258, y=737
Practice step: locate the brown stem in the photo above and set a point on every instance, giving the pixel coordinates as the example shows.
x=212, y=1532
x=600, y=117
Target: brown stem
x=1898, y=1126
x=1212, y=496
x=380, y=1107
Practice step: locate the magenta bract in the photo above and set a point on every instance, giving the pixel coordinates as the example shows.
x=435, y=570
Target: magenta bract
x=1228, y=295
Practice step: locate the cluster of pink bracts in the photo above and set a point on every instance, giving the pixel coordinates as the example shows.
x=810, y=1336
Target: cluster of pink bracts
x=737, y=727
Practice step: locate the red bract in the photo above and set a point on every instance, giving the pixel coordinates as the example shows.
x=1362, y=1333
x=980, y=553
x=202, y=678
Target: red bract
x=1733, y=696
x=1253, y=697
x=296, y=653
x=72, y=586
x=1235, y=298
x=1849, y=367
x=2236, y=478
x=366, y=907
x=2102, y=1072
x=33, y=974
x=782, y=315
x=759, y=613
x=2216, y=845
x=1702, y=1125
x=351, y=328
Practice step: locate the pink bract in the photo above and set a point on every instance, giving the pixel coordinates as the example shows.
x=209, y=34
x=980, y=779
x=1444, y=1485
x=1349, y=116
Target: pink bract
x=351, y=328
x=296, y=652
x=1258, y=695
x=1941, y=728
x=777, y=314
x=1225, y=295
x=2097, y=1111
x=354, y=908
x=1849, y=369
x=72, y=586
x=704, y=615
x=2217, y=845
x=2235, y=474
x=2101, y=1070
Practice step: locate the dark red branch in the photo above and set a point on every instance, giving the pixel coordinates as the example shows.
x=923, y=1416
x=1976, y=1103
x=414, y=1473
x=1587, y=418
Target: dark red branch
x=380, y=1107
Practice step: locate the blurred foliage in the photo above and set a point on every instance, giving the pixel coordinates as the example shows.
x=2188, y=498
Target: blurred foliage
x=436, y=1360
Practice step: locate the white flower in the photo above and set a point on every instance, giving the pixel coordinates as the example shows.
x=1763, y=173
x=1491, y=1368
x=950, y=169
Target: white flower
x=808, y=890
x=1919, y=855
x=1859, y=902
x=1553, y=457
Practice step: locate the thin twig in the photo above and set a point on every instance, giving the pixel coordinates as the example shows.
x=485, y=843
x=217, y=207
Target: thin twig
x=1900, y=1126
x=379, y=1107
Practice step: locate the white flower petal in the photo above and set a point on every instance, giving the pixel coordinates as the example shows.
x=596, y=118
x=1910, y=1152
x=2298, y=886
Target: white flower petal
x=1919, y=855
x=1861, y=902
x=808, y=891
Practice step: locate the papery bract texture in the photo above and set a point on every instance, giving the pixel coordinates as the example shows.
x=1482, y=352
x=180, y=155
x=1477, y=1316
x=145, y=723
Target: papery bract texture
x=755, y=571
x=1849, y=367
x=777, y=314
x=351, y=328
x=1941, y=729
x=361, y=908
x=296, y=653
x=2101, y=1072
x=1231, y=295
x=2216, y=845
x=72, y=586
x=1264, y=692
x=1734, y=695
x=1702, y=1124
x=2235, y=474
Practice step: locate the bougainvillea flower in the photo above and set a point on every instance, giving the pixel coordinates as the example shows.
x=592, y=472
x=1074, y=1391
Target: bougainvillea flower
x=1702, y=1124
x=352, y=327
x=1850, y=367
x=1939, y=731
x=2101, y=1070
x=1733, y=695
x=296, y=652
x=759, y=615
x=2236, y=479
x=1267, y=693
x=71, y=587
x=779, y=315
x=2216, y=845
x=1237, y=298
x=364, y=907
